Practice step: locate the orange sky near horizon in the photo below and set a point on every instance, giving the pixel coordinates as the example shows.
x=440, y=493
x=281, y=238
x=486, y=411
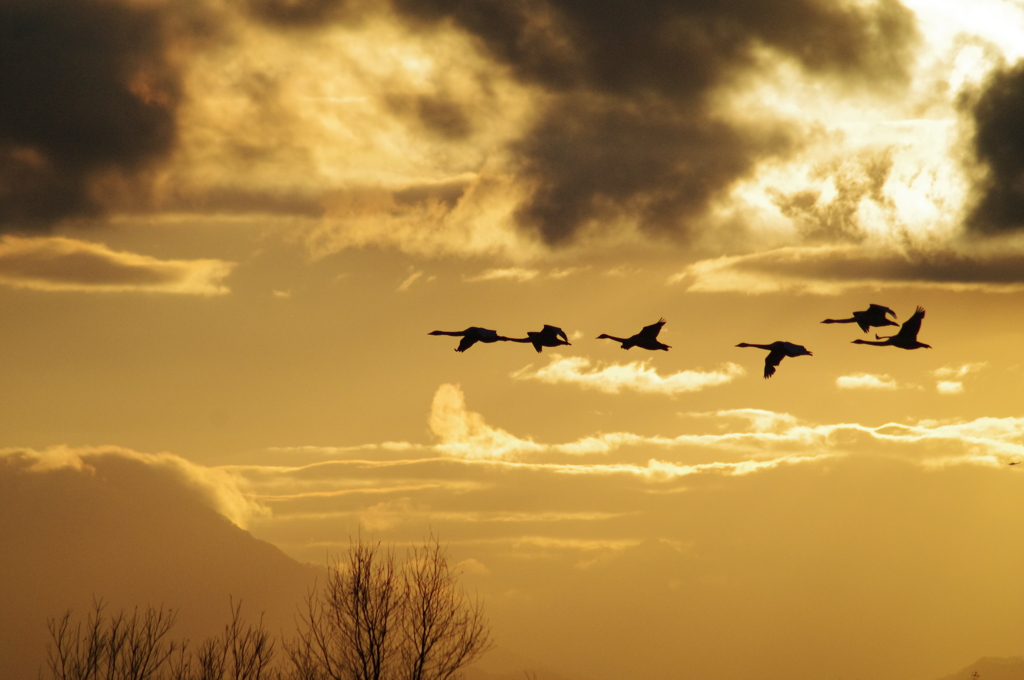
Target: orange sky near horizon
x=223, y=254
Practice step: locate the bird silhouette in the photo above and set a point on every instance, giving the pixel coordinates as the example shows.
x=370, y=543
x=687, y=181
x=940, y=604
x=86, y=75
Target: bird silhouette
x=905, y=338
x=471, y=336
x=550, y=336
x=777, y=351
x=874, y=315
x=1016, y=462
x=646, y=338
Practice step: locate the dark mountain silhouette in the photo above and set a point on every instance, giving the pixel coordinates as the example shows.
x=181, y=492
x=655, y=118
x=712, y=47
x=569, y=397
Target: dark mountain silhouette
x=500, y=663
x=132, y=534
x=991, y=668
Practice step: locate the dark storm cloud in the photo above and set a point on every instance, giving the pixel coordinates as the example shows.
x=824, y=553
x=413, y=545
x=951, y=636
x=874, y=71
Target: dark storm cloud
x=594, y=160
x=631, y=123
x=999, y=146
x=304, y=13
x=227, y=200
x=439, y=114
x=86, y=89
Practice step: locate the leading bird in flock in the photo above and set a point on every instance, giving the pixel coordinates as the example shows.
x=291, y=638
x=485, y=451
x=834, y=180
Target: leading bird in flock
x=906, y=338
x=646, y=339
x=550, y=336
x=471, y=336
x=874, y=315
x=777, y=351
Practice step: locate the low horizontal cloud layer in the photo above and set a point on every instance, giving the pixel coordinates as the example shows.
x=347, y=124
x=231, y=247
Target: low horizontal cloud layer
x=468, y=451
x=636, y=376
x=64, y=264
x=830, y=270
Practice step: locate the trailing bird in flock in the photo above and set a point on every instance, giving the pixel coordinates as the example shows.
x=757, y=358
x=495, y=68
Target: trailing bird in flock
x=646, y=338
x=777, y=351
x=471, y=336
x=905, y=338
x=874, y=315
x=550, y=336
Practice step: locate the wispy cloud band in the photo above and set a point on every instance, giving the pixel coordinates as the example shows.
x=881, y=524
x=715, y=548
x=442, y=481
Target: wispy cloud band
x=64, y=264
x=829, y=270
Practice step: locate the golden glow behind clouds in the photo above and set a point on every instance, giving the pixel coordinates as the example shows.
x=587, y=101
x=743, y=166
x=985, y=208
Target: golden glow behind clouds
x=338, y=186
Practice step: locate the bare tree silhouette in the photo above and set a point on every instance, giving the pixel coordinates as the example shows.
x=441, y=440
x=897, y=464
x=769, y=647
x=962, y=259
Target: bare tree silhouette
x=120, y=646
x=380, y=618
x=376, y=617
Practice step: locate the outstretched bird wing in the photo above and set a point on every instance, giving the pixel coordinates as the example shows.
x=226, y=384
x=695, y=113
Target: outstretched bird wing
x=650, y=332
x=773, y=359
x=881, y=310
x=466, y=342
x=911, y=327
x=558, y=332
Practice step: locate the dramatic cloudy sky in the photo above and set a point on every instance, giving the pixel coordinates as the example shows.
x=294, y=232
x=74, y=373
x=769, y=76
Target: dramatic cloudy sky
x=227, y=226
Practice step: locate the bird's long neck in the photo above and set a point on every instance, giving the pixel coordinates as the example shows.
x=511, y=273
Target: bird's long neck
x=611, y=337
x=851, y=320
x=747, y=344
x=448, y=333
x=517, y=339
x=872, y=342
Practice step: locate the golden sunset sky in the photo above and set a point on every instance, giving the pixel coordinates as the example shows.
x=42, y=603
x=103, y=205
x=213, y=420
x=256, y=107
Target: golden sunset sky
x=228, y=226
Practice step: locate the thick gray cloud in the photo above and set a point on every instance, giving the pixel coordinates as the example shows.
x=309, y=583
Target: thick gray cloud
x=303, y=13
x=86, y=89
x=630, y=126
x=999, y=145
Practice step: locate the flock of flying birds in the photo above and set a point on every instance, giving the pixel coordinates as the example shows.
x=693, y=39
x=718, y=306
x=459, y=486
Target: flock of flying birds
x=874, y=315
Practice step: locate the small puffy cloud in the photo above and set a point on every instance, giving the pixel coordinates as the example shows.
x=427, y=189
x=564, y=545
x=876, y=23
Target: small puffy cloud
x=865, y=381
x=950, y=377
x=830, y=270
x=959, y=371
x=636, y=376
x=64, y=264
x=224, y=490
x=949, y=387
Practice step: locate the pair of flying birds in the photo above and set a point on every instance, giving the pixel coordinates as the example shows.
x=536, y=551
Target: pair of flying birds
x=874, y=315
